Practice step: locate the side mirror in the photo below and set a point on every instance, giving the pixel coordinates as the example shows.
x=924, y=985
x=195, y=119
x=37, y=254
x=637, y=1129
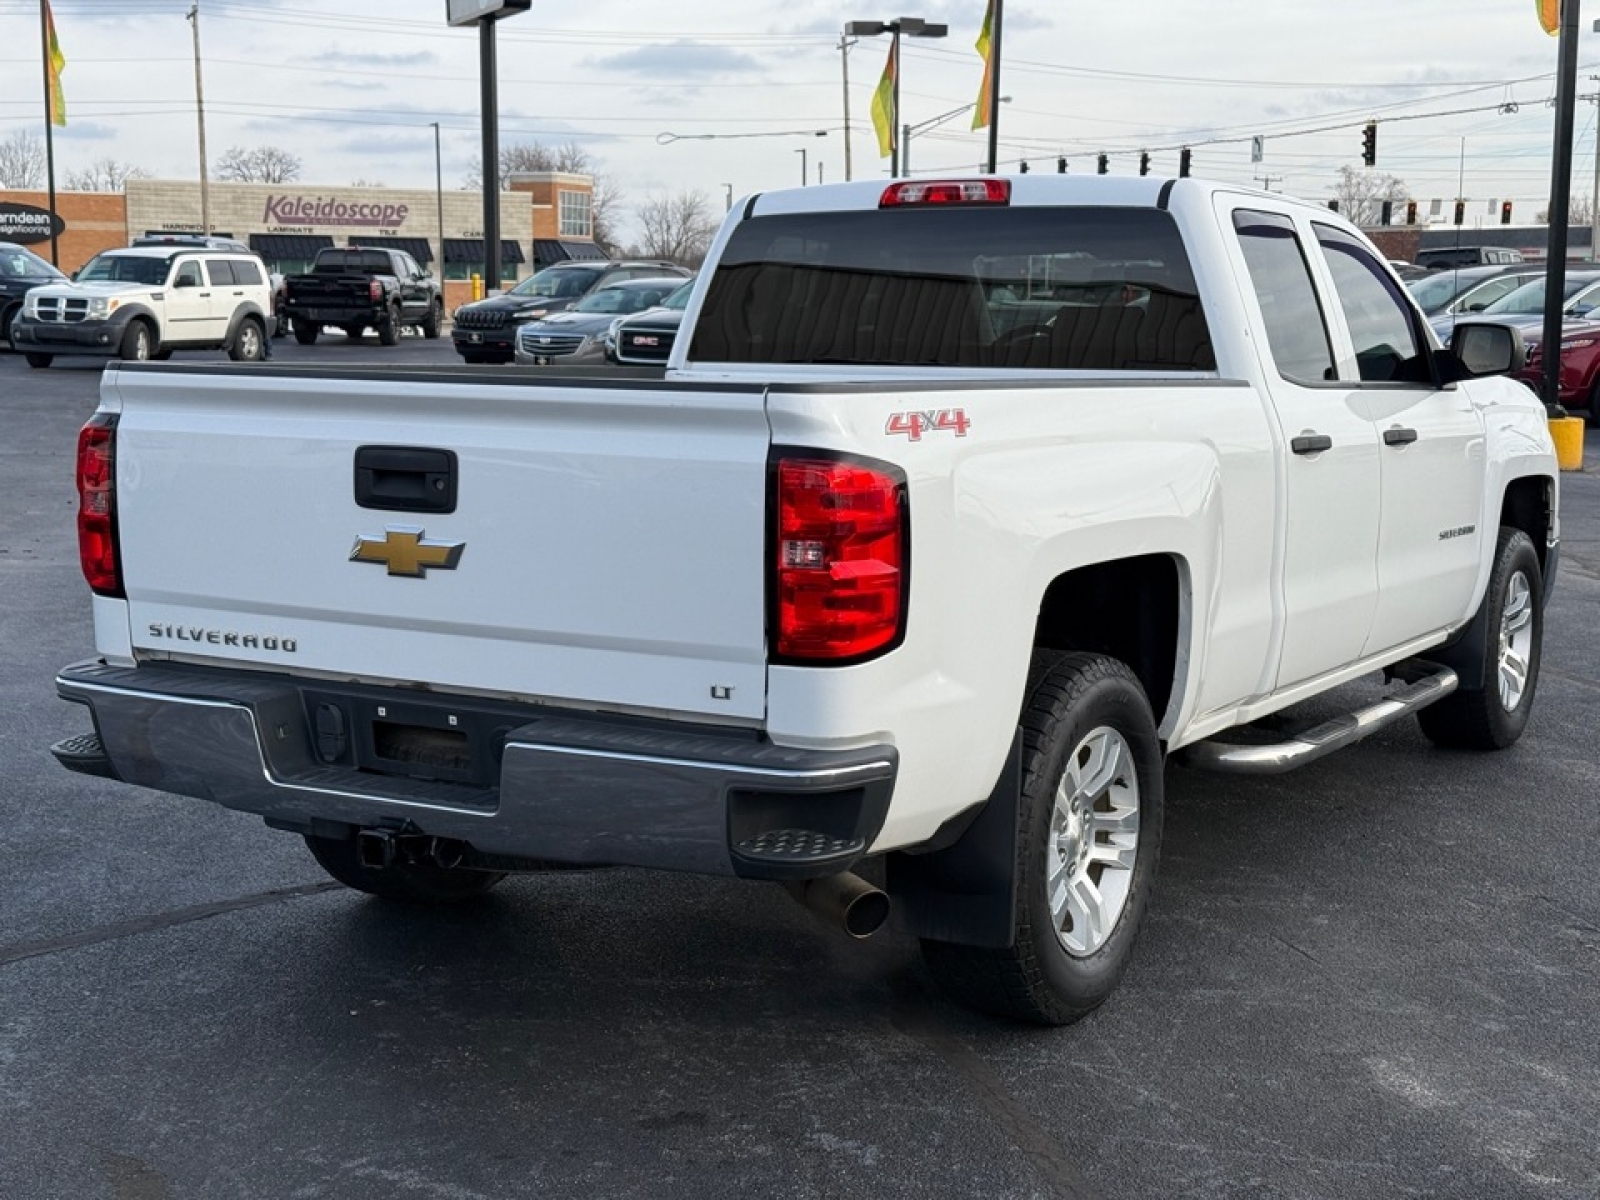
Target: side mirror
x=1483, y=348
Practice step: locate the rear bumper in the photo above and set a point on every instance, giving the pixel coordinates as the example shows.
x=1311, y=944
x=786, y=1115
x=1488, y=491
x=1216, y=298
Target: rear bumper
x=556, y=785
x=333, y=314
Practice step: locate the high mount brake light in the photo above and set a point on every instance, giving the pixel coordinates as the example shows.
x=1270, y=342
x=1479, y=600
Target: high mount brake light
x=840, y=559
x=948, y=192
x=97, y=505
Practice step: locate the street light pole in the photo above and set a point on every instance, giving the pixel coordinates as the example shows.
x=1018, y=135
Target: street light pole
x=805, y=174
x=994, y=85
x=911, y=27
x=844, y=61
x=908, y=130
x=438, y=191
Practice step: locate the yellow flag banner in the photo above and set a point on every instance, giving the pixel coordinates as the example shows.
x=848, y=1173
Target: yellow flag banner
x=54, y=62
x=981, y=116
x=883, y=114
x=1549, y=15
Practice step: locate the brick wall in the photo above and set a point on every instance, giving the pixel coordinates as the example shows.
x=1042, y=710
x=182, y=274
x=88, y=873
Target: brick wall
x=96, y=221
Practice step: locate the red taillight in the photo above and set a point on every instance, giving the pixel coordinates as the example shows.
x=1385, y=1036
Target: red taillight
x=841, y=557
x=374, y=289
x=946, y=192
x=97, y=504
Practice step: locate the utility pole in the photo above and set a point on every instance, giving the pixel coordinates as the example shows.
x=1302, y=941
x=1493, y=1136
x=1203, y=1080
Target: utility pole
x=844, y=61
x=438, y=193
x=1266, y=181
x=1594, y=199
x=200, y=113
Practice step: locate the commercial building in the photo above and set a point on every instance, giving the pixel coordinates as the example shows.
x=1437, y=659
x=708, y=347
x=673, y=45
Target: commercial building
x=545, y=217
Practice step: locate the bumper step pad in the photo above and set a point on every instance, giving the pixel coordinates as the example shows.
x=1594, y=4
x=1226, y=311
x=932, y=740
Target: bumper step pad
x=85, y=755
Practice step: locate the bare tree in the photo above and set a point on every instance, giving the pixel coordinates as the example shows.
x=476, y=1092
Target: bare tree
x=605, y=209
x=264, y=164
x=22, y=161
x=1361, y=194
x=104, y=175
x=679, y=227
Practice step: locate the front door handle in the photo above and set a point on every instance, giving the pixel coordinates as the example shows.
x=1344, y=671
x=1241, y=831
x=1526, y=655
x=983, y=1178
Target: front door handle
x=1311, y=443
x=1396, y=436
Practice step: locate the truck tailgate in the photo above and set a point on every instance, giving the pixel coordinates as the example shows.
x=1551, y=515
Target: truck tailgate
x=611, y=533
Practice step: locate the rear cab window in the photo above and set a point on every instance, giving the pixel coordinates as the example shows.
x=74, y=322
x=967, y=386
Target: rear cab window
x=1010, y=287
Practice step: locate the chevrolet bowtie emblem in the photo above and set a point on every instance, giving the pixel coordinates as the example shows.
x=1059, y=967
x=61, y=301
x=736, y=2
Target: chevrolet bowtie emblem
x=404, y=551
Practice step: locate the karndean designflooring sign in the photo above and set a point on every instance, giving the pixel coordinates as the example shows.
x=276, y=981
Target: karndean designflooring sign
x=25, y=223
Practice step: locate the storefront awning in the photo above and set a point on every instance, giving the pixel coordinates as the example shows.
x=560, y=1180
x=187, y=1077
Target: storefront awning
x=551, y=250
x=419, y=248
x=470, y=250
x=286, y=247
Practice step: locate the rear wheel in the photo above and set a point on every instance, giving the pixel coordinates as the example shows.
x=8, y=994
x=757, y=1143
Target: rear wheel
x=1089, y=835
x=1509, y=631
x=40, y=361
x=248, y=342
x=305, y=332
x=6, y=317
x=418, y=883
x=389, y=328
x=432, y=323
x=137, y=342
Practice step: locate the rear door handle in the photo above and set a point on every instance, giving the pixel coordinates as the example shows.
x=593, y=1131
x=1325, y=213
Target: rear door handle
x=1311, y=443
x=419, y=479
x=1396, y=436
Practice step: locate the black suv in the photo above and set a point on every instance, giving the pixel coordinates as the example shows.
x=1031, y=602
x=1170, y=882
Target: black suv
x=20, y=270
x=486, y=330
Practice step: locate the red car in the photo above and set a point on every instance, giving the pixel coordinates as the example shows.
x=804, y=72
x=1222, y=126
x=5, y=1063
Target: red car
x=1579, y=380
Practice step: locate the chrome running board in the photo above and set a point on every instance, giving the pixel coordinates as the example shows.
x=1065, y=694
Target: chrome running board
x=1426, y=682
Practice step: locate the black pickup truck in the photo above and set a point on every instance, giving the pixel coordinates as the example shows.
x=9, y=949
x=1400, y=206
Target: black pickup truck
x=357, y=288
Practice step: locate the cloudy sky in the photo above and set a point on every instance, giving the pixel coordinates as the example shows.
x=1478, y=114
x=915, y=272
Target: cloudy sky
x=700, y=95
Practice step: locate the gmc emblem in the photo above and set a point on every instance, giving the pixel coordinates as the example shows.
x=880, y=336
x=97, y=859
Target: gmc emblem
x=644, y=339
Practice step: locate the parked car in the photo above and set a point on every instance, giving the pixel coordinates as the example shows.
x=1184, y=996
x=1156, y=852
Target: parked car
x=1467, y=256
x=1523, y=306
x=647, y=337
x=578, y=334
x=198, y=240
x=1467, y=289
x=1578, y=378
x=21, y=270
x=147, y=301
x=357, y=288
x=486, y=330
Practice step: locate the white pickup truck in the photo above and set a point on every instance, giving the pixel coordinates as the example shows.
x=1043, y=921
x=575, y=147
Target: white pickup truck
x=963, y=507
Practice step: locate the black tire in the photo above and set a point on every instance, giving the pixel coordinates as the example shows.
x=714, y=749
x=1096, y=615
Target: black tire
x=1592, y=413
x=415, y=883
x=434, y=321
x=249, y=342
x=1075, y=702
x=138, y=343
x=389, y=328
x=7, y=315
x=1493, y=716
x=306, y=333
x=40, y=361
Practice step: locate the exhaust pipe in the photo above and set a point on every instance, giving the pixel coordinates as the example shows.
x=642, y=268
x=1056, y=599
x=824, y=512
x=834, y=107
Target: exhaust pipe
x=844, y=900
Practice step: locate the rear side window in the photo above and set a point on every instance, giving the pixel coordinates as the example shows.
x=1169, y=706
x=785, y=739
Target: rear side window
x=1375, y=309
x=221, y=272
x=245, y=271
x=1057, y=288
x=1297, y=335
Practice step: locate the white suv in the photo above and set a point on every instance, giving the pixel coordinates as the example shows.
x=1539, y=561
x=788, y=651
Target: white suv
x=147, y=301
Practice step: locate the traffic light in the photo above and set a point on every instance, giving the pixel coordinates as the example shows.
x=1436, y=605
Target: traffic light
x=1024, y=168
x=1183, y=163
x=1369, y=144
x=1333, y=205
x=1461, y=212
x=1505, y=212
x=1102, y=164
x=1061, y=165
x=1144, y=163
x=1411, y=212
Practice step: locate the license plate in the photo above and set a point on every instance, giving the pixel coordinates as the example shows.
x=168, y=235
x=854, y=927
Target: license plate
x=475, y=338
x=541, y=360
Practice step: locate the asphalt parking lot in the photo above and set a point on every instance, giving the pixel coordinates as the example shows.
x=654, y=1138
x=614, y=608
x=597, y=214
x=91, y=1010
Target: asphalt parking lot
x=1377, y=977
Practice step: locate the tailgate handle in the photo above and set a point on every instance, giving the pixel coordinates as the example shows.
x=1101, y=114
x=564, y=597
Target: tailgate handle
x=406, y=479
